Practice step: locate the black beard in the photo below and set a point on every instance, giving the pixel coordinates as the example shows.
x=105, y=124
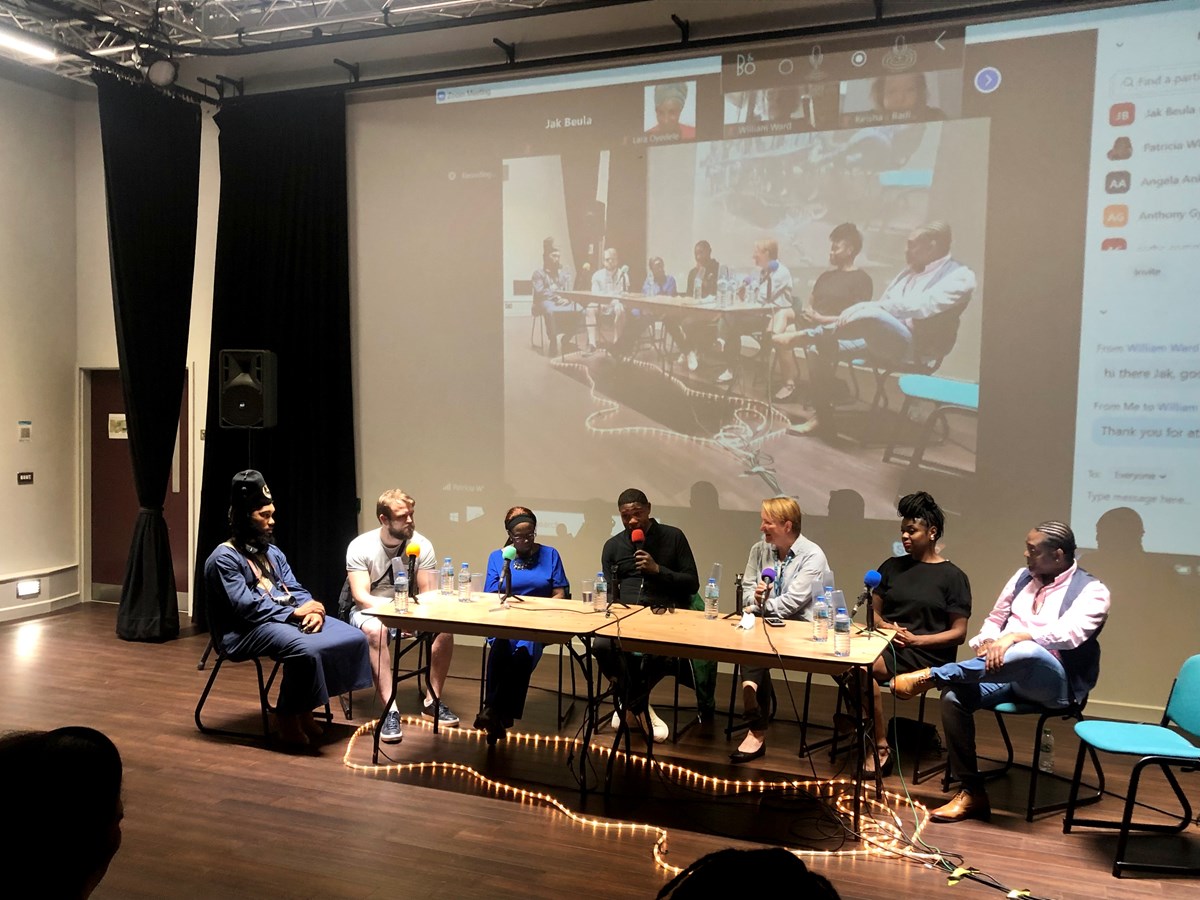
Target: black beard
x=254, y=541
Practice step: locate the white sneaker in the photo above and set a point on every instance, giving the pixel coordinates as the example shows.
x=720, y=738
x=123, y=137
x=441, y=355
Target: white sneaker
x=616, y=720
x=692, y=362
x=725, y=377
x=658, y=726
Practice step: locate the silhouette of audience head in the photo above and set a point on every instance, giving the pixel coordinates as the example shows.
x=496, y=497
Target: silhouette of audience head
x=725, y=873
x=63, y=803
x=704, y=498
x=1120, y=530
x=847, y=504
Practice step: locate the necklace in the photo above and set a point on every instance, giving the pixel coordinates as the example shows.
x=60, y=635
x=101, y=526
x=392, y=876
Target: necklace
x=528, y=562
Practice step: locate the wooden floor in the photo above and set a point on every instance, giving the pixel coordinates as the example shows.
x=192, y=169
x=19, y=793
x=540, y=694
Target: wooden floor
x=219, y=817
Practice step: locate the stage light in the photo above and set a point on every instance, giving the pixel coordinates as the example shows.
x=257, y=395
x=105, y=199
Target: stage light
x=26, y=45
x=158, y=68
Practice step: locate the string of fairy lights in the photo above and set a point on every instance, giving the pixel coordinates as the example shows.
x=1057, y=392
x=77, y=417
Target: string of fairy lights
x=882, y=828
x=754, y=423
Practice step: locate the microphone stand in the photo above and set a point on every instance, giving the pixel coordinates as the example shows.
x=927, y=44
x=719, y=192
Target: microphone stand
x=506, y=578
x=412, y=579
x=737, y=597
x=614, y=594
x=865, y=597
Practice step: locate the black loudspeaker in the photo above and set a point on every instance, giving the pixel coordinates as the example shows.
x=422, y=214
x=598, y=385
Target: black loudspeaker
x=247, y=389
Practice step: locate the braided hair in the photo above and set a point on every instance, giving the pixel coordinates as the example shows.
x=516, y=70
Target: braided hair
x=1059, y=536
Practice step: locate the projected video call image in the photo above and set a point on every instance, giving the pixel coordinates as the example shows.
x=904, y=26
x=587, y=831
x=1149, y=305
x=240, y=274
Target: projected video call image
x=742, y=310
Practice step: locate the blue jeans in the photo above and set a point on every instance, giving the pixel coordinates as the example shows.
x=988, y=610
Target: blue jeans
x=1030, y=674
x=873, y=333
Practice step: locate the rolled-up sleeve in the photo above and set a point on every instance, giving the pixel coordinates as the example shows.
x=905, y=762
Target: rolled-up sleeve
x=994, y=624
x=1080, y=622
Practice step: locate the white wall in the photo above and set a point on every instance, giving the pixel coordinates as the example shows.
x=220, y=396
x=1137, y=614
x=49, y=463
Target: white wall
x=37, y=345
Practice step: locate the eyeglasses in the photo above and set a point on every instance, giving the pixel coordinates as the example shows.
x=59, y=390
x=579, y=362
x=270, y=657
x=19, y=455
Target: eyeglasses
x=526, y=536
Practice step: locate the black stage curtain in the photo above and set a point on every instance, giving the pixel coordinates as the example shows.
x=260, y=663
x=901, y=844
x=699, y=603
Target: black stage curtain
x=585, y=215
x=625, y=226
x=282, y=283
x=151, y=148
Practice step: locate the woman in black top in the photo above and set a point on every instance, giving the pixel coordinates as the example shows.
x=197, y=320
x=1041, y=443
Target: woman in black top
x=924, y=598
x=834, y=292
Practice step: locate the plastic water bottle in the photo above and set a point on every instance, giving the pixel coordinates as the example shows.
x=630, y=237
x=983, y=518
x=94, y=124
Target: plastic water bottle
x=464, y=583
x=400, y=589
x=820, y=618
x=1046, y=760
x=841, y=632
x=723, y=286
x=446, y=587
x=698, y=286
x=600, y=593
x=712, y=596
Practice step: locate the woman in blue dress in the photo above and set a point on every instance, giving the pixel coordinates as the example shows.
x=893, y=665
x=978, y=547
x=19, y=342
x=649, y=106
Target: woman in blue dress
x=537, y=571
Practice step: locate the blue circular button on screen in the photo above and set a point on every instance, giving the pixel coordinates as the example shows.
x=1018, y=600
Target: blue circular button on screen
x=987, y=79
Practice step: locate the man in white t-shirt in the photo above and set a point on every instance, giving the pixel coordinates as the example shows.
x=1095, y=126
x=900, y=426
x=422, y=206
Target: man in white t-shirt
x=369, y=574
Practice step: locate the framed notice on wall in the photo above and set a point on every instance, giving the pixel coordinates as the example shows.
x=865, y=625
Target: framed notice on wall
x=118, y=429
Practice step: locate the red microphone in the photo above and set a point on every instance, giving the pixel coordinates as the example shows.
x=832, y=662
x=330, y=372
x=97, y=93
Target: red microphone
x=638, y=537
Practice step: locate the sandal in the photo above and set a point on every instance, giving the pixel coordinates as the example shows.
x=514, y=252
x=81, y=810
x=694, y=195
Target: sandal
x=786, y=392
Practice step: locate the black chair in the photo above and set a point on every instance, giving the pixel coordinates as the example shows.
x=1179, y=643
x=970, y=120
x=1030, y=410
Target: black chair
x=563, y=698
x=937, y=768
x=1073, y=712
x=264, y=690
x=735, y=693
x=918, y=774
x=700, y=676
x=264, y=687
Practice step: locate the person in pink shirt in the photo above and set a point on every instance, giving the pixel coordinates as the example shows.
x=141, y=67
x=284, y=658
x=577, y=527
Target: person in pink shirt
x=1038, y=645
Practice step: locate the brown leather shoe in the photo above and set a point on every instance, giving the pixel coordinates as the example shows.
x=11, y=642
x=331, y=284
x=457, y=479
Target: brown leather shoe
x=910, y=684
x=965, y=805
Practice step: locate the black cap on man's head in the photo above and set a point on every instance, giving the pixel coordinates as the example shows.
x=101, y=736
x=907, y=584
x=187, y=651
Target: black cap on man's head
x=249, y=491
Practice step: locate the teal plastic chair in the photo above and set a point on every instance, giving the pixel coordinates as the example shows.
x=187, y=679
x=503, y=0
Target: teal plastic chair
x=946, y=397
x=1157, y=745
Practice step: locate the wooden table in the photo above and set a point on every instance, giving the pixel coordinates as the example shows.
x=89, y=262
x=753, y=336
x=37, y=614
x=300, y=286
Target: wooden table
x=663, y=304
x=688, y=634
x=682, y=305
x=540, y=619
x=682, y=633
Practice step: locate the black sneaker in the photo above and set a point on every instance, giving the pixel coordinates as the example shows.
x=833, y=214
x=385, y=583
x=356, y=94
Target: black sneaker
x=445, y=715
x=391, y=733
